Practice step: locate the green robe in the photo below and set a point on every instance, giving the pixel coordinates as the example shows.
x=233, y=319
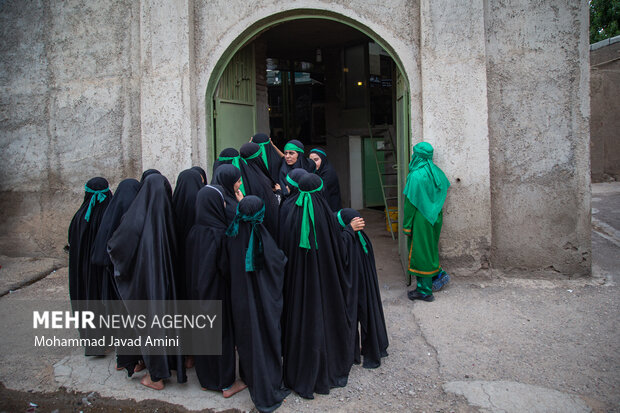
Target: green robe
x=422, y=243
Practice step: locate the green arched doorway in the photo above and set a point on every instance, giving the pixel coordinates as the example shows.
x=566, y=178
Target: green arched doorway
x=231, y=94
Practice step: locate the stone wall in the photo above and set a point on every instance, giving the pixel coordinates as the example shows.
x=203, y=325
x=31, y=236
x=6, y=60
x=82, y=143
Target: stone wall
x=69, y=105
x=538, y=74
x=605, y=107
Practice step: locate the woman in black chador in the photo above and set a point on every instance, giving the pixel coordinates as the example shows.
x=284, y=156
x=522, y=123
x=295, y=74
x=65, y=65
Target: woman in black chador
x=85, y=278
x=330, y=178
x=257, y=277
x=125, y=194
x=318, y=347
x=369, y=311
x=269, y=154
x=293, y=158
x=229, y=177
x=143, y=252
x=209, y=279
x=188, y=184
x=257, y=181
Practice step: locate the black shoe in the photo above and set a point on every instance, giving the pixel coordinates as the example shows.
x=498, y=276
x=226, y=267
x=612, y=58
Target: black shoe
x=415, y=295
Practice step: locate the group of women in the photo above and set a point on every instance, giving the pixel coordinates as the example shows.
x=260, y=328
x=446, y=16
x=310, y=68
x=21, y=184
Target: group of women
x=295, y=273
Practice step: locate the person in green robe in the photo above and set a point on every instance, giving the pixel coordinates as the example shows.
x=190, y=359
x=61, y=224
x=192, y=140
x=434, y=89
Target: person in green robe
x=425, y=193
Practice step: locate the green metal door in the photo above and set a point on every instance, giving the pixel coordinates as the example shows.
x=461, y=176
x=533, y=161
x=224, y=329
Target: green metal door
x=403, y=153
x=235, y=102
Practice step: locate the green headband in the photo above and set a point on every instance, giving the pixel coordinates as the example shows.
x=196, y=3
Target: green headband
x=290, y=181
x=98, y=196
x=254, y=252
x=254, y=155
x=359, y=235
x=263, y=151
x=305, y=200
x=292, y=147
x=236, y=163
x=319, y=151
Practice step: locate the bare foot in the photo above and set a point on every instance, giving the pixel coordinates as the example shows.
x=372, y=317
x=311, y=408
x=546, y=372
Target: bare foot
x=139, y=366
x=235, y=388
x=156, y=385
x=189, y=362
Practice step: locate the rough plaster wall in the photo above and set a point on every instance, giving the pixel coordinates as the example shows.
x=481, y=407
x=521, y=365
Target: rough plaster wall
x=605, y=108
x=454, y=104
x=168, y=134
x=397, y=22
x=69, y=106
x=538, y=122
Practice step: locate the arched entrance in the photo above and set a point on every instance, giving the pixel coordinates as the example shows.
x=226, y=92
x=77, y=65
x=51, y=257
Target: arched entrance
x=328, y=81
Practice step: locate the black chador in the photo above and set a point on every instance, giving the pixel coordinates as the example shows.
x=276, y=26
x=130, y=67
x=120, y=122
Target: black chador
x=143, y=251
x=330, y=180
x=125, y=194
x=292, y=181
x=188, y=184
x=209, y=279
x=257, y=276
x=369, y=311
x=318, y=349
x=85, y=278
x=257, y=181
x=227, y=176
x=269, y=154
x=301, y=162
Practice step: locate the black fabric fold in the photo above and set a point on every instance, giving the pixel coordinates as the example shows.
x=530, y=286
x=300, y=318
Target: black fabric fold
x=330, y=181
x=227, y=176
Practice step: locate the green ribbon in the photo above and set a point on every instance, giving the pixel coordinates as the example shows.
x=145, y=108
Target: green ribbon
x=305, y=200
x=236, y=160
x=255, y=155
x=359, y=235
x=319, y=151
x=254, y=252
x=292, y=147
x=290, y=181
x=98, y=196
x=263, y=152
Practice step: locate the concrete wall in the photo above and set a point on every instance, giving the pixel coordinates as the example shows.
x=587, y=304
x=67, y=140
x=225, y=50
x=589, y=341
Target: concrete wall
x=69, y=110
x=538, y=73
x=605, y=108
x=501, y=90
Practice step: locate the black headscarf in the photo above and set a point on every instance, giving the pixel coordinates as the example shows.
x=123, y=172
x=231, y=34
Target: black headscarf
x=366, y=299
x=318, y=347
x=209, y=280
x=302, y=162
x=227, y=176
x=147, y=173
x=257, y=181
x=202, y=173
x=141, y=274
x=330, y=180
x=292, y=180
x=269, y=153
x=256, y=295
x=188, y=184
x=85, y=278
x=227, y=156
